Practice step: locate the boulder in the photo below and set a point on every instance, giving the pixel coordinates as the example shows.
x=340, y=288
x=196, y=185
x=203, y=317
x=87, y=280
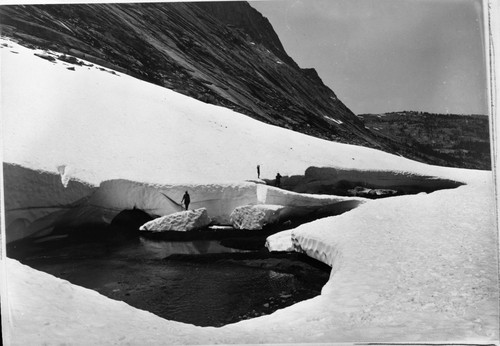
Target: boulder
x=255, y=217
x=182, y=221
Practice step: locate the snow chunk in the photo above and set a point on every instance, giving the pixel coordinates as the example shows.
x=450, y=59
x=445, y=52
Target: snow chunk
x=64, y=172
x=255, y=217
x=182, y=221
x=281, y=241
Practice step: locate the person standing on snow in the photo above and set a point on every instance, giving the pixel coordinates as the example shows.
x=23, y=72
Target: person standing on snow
x=186, y=199
x=258, y=171
x=278, y=180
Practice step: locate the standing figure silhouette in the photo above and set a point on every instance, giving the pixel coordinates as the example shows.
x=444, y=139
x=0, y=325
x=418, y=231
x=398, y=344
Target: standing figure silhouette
x=186, y=199
x=278, y=180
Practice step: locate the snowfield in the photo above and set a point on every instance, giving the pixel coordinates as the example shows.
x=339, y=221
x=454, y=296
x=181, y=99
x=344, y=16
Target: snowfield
x=412, y=268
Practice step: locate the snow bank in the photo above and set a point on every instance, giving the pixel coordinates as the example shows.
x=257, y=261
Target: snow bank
x=181, y=221
x=219, y=200
x=35, y=201
x=412, y=268
x=164, y=199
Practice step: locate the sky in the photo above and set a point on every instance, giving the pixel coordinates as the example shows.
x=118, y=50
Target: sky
x=389, y=55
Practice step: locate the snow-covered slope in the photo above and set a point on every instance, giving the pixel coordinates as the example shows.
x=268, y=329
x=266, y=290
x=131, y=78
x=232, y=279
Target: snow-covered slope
x=409, y=268
x=103, y=126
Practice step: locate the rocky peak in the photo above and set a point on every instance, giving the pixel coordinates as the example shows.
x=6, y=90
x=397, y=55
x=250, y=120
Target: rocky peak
x=241, y=15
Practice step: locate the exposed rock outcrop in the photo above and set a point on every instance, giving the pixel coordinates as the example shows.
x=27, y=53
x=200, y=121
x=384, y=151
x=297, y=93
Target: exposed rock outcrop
x=337, y=181
x=371, y=193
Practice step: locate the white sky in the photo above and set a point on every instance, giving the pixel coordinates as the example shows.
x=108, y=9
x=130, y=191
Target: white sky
x=389, y=55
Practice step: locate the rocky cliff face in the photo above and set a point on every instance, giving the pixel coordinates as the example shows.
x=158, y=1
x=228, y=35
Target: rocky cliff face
x=223, y=53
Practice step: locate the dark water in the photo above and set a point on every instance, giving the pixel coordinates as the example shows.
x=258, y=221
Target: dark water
x=199, y=282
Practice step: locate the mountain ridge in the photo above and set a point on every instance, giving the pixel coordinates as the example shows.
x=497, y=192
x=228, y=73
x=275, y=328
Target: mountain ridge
x=454, y=140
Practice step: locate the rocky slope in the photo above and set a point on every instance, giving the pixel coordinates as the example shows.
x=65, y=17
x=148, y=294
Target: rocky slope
x=442, y=139
x=223, y=53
